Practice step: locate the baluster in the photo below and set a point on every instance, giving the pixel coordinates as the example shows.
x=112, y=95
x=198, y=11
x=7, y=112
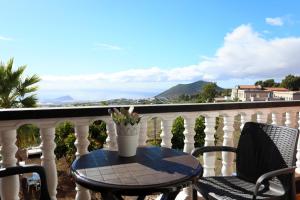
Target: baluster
x=245, y=117
x=298, y=149
x=262, y=117
x=47, y=132
x=111, y=139
x=82, y=143
x=227, y=157
x=209, y=158
x=166, y=135
x=293, y=118
x=143, y=131
x=9, y=185
x=288, y=121
x=189, y=133
x=299, y=120
x=276, y=118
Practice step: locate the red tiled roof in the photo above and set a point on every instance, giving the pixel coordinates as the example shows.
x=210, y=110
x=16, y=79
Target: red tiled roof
x=276, y=89
x=249, y=87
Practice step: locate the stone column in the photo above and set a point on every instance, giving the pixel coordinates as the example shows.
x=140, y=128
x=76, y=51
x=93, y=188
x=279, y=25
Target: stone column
x=82, y=143
x=111, y=139
x=166, y=135
x=209, y=158
x=47, y=132
x=227, y=157
x=189, y=134
x=9, y=186
x=143, y=131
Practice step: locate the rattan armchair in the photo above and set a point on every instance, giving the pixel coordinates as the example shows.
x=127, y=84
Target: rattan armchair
x=9, y=171
x=265, y=160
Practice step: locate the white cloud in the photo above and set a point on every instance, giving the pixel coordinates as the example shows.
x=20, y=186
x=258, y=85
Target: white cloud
x=276, y=21
x=5, y=38
x=107, y=47
x=245, y=54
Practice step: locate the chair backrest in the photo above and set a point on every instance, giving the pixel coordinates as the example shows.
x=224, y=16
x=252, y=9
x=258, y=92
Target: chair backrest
x=263, y=148
x=44, y=195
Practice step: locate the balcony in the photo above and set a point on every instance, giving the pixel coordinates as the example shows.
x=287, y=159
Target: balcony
x=284, y=113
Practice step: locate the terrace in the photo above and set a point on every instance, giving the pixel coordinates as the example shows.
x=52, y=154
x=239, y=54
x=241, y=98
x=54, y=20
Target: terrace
x=284, y=113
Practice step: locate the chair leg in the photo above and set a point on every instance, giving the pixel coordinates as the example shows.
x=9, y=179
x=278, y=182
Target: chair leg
x=110, y=196
x=195, y=196
x=142, y=197
x=169, y=196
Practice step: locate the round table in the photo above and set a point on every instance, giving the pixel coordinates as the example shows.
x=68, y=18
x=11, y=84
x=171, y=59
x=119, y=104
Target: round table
x=152, y=170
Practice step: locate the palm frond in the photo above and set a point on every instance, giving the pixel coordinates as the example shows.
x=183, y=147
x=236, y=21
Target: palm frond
x=29, y=101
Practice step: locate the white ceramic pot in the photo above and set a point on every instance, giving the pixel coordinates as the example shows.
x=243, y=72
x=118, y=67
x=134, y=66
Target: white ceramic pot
x=127, y=145
x=127, y=139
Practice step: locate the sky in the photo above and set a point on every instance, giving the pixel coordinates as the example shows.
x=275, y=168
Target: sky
x=97, y=50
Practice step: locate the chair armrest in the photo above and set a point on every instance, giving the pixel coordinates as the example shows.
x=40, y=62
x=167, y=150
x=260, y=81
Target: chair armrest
x=9, y=171
x=196, y=152
x=272, y=174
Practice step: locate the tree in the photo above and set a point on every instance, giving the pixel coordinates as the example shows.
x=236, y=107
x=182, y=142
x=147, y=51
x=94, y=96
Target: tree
x=267, y=83
x=209, y=92
x=291, y=82
x=16, y=92
x=199, y=129
x=27, y=135
x=178, y=129
x=65, y=139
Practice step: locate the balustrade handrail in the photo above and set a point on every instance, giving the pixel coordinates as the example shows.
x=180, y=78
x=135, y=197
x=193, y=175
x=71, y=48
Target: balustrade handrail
x=281, y=113
x=90, y=111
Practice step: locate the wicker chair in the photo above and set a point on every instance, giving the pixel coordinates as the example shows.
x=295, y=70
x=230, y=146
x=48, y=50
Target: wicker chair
x=265, y=160
x=44, y=195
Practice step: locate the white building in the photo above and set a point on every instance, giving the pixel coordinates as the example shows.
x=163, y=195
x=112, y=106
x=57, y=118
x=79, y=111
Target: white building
x=287, y=95
x=250, y=93
x=257, y=93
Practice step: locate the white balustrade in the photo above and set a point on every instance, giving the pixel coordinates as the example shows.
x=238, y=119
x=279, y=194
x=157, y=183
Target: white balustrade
x=47, y=132
x=143, y=131
x=209, y=158
x=189, y=133
x=9, y=185
x=228, y=157
x=166, y=135
x=288, y=121
x=111, y=139
x=294, y=119
x=82, y=143
x=262, y=117
x=245, y=117
x=276, y=118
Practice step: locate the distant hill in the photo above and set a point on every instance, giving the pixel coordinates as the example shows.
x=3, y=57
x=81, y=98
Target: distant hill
x=59, y=100
x=66, y=98
x=187, y=89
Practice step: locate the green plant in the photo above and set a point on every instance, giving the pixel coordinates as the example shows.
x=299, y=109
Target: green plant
x=65, y=139
x=15, y=91
x=124, y=116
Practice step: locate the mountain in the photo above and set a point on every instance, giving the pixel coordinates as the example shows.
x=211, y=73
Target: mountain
x=59, y=100
x=187, y=89
x=66, y=98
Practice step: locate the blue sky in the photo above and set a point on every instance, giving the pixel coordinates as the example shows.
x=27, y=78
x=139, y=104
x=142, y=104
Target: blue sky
x=110, y=49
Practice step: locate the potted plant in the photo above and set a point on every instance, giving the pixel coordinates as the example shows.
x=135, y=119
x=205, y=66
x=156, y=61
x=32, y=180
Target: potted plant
x=126, y=122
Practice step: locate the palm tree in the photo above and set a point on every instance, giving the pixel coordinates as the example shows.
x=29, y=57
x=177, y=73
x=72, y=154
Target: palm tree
x=16, y=91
